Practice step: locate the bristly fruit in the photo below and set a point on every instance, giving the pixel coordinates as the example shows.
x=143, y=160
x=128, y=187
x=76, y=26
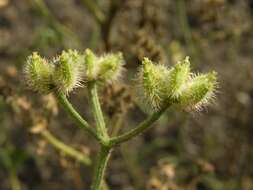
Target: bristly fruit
x=38, y=73
x=200, y=91
x=110, y=67
x=69, y=68
x=152, y=79
x=177, y=79
x=158, y=84
x=91, y=65
x=176, y=86
x=106, y=68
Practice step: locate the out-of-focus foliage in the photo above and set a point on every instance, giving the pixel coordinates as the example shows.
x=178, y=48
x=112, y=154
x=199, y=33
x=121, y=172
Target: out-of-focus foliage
x=210, y=151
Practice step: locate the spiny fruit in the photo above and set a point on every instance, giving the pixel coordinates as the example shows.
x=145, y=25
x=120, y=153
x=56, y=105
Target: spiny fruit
x=38, y=73
x=176, y=86
x=69, y=68
x=106, y=68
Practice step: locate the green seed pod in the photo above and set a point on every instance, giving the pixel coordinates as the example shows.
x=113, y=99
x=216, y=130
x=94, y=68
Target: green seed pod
x=69, y=68
x=199, y=91
x=177, y=79
x=91, y=65
x=38, y=73
x=152, y=83
x=110, y=67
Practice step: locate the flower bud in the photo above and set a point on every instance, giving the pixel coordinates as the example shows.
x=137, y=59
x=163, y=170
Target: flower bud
x=110, y=67
x=68, y=71
x=153, y=80
x=38, y=73
x=199, y=92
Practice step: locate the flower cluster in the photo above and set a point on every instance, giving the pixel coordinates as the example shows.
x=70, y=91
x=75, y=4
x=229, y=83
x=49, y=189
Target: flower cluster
x=176, y=86
x=70, y=70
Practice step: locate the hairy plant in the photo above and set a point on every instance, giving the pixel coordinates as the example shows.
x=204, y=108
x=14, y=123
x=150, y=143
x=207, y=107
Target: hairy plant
x=161, y=88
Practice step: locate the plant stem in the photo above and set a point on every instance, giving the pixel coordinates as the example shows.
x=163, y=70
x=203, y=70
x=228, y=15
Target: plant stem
x=139, y=129
x=75, y=115
x=105, y=150
x=65, y=148
x=100, y=167
x=97, y=112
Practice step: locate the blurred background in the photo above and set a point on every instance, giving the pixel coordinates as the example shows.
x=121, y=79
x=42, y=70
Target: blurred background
x=211, y=150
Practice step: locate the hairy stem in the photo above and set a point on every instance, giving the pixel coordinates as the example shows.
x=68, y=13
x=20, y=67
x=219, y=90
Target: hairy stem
x=97, y=112
x=100, y=167
x=139, y=129
x=68, y=150
x=75, y=115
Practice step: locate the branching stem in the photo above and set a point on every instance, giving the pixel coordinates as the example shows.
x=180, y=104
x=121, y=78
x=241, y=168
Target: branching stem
x=100, y=168
x=106, y=143
x=146, y=124
x=75, y=115
x=97, y=112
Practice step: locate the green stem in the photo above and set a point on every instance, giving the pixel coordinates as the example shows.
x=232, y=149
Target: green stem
x=100, y=168
x=75, y=115
x=65, y=148
x=97, y=112
x=139, y=129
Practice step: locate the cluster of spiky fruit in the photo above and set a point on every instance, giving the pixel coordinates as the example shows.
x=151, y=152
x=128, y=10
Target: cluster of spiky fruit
x=70, y=70
x=159, y=84
x=176, y=86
